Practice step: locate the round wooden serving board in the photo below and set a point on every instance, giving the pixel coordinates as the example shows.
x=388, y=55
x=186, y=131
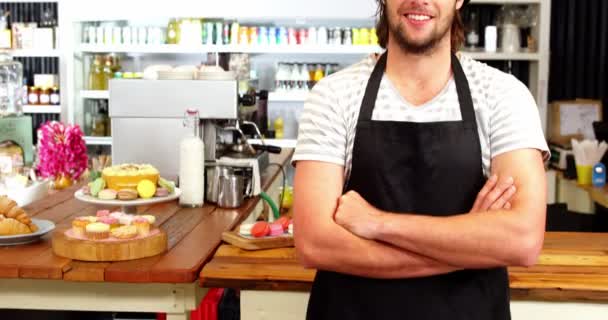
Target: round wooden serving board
x=119, y=250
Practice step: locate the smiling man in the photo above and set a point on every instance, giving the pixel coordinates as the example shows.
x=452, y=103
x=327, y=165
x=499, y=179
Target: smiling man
x=392, y=156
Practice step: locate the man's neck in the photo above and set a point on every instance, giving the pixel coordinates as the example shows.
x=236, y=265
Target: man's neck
x=419, y=77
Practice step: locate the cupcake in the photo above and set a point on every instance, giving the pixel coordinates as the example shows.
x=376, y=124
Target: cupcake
x=79, y=224
x=126, y=219
x=142, y=225
x=103, y=213
x=97, y=231
x=151, y=219
x=124, y=232
x=112, y=222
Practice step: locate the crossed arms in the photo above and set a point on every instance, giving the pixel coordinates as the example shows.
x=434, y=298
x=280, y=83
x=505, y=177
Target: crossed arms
x=344, y=233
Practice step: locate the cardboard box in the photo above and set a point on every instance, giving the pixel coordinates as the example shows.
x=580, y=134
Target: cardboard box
x=573, y=119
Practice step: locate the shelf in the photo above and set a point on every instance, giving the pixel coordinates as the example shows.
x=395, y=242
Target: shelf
x=522, y=56
x=296, y=96
x=98, y=141
x=95, y=94
x=34, y=53
x=41, y=109
x=183, y=49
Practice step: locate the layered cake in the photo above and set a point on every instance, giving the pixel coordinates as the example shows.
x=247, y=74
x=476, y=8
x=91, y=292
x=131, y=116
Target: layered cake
x=128, y=176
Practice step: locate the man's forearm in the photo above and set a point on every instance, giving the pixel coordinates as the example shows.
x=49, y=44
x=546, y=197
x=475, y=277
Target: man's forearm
x=343, y=252
x=475, y=240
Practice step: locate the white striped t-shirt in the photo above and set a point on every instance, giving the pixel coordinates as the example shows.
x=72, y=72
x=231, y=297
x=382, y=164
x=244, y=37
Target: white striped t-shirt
x=506, y=113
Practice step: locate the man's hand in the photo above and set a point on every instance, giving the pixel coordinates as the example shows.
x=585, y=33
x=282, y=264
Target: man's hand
x=356, y=215
x=495, y=195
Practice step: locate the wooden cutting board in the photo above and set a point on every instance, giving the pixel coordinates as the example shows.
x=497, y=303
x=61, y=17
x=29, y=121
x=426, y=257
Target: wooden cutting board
x=237, y=240
x=90, y=250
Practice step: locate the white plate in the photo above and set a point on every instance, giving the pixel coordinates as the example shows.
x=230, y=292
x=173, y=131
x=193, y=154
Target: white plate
x=127, y=203
x=44, y=227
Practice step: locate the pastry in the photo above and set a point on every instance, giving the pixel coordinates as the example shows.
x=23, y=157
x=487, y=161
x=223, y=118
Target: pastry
x=169, y=185
x=161, y=192
x=10, y=209
x=117, y=214
x=11, y=227
x=142, y=225
x=112, y=222
x=126, y=219
x=102, y=213
x=127, y=194
x=146, y=189
x=79, y=225
x=260, y=229
x=151, y=219
x=124, y=232
x=86, y=190
x=107, y=194
x=127, y=176
x=276, y=229
x=245, y=229
x=97, y=231
x=96, y=186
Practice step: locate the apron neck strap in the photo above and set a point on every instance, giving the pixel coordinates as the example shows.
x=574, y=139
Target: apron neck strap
x=462, y=88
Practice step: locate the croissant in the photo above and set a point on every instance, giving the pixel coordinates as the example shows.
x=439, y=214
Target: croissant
x=10, y=227
x=10, y=209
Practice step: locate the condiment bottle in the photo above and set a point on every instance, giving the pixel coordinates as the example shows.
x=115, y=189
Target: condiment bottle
x=192, y=163
x=45, y=96
x=55, y=97
x=33, y=96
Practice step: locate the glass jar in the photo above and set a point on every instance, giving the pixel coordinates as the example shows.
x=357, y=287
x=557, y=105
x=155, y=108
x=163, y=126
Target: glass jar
x=44, y=97
x=33, y=96
x=55, y=97
x=11, y=82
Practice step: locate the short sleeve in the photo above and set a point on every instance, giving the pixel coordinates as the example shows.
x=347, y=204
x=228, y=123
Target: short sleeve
x=515, y=119
x=322, y=130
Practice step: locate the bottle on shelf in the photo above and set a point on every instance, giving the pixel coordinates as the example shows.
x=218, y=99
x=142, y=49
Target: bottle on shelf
x=107, y=73
x=472, y=35
x=33, y=96
x=303, y=77
x=96, y=77
x=55, y=97
x=45, y=96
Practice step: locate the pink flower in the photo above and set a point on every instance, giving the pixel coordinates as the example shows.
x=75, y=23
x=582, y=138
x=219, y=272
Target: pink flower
x=61, y=150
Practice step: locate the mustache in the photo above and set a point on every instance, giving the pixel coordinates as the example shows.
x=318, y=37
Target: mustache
x=416, y=7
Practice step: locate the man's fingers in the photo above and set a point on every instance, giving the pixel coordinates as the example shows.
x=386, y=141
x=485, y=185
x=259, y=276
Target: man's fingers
x=495, y=194
x=503, y=199
x=484, y=191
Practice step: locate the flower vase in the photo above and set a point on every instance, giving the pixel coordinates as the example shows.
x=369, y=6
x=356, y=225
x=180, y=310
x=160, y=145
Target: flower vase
x=62, y=181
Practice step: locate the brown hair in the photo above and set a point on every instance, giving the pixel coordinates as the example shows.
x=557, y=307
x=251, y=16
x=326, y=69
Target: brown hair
x=457, y=31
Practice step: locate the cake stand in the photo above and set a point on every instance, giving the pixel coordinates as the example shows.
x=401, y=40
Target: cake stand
x=127, y=206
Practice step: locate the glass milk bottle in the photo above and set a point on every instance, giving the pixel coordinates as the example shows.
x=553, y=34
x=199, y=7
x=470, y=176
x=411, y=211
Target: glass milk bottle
x=192, y=163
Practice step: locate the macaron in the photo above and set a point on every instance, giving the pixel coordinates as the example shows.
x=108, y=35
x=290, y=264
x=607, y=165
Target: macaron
x=107, y=194
x=127, y=194
x=245, y=229
x=283, y=221
x=86, y=190
x=276, y=229
x=146, y=189
x=260, y=229
x=161, y=192
x=103, y=213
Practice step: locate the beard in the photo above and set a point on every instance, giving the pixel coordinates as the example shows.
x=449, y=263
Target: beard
x=424, y=46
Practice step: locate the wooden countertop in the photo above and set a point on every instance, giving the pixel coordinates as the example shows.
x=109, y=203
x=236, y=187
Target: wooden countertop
x=193, y=235
x=572, y=267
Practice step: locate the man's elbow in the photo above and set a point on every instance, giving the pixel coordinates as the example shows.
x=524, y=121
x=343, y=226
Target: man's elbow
x=529, y=248
x=306, y=252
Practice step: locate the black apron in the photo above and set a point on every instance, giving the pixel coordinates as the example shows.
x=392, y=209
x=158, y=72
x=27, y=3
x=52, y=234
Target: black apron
x=422, y=168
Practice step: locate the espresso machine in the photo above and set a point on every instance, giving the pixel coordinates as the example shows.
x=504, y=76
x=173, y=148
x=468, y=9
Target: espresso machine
x=147, y=125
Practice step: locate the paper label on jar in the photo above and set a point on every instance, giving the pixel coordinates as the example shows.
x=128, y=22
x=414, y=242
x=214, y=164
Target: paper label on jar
x=45, y=99
x=33, y=98
x=54, y=99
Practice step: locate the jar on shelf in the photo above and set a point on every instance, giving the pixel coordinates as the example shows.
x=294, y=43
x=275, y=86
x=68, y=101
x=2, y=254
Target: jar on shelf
x=33, y=96
x=44, y=96
x=11, y=82
x=55, y=97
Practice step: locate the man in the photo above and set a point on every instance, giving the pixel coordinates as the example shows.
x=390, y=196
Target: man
x=391, y=157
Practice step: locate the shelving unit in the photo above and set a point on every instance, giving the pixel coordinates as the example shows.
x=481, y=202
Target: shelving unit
x=41, y=109
x=180, y=54
x=55, y=53
x=98, y=141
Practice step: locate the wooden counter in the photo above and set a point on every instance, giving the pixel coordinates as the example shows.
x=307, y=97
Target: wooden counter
x=193, y=236
x=572, y=267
